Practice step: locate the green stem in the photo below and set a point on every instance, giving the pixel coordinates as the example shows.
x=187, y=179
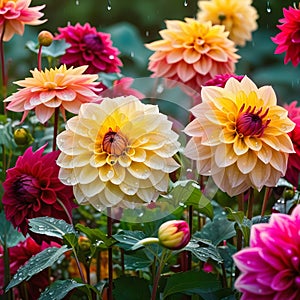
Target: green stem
x=268, y=191
x=55, y=128
x=40, y=58
x=110, y=256
x=3, y=71
x=250, y=204
x=8, y=295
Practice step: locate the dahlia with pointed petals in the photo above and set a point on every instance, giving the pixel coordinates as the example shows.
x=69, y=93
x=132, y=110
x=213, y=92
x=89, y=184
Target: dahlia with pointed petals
x=192, y=52
x=18, y=256
x=15, y=14
x=239, y=17
x=221, y=79
x=240, y=136
x=293, y=167
x=31, y=190
x=288, y=40
x=89, y=47
x=47, y=90
x=270, y=267
x=117, y=153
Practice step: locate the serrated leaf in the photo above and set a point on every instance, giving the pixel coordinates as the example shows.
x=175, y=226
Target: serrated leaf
x=95, y=235
x=36, y=264
x=126, y=238
x=193, y=282
x=8, y=235
x=203, y=249
x=131, y=288
x=51, y=226
x=56, y=49
x=59, y=289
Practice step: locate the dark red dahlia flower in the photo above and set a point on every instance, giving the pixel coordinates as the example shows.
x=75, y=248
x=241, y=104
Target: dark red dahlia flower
x=288, y=40
x=293, y=167
x=89, y=47
x=31, y=190
x=18, y=256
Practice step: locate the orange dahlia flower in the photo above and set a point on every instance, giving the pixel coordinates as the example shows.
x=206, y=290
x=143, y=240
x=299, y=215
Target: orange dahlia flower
x=192, y=52
x=117, y=153
x=239, y=17
x=49, y=89
x=240, y=136
x=14, y=14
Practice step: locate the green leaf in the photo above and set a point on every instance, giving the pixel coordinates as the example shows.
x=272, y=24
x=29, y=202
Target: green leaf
x=203, y=250
x=217, y=230
x=137, y=260
x=71, y=239
x=8, y=235
x=36, y=264
x=96, y=235
x=195, y=282
x=126, y=239
x=59, y=289
x=56, y=49
x=51, y=226
x=131, y=288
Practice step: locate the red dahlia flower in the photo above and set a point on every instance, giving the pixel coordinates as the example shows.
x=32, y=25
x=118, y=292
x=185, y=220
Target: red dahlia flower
x=18, y=256
x=288, y=40
x=89, y=47
x=31, y=190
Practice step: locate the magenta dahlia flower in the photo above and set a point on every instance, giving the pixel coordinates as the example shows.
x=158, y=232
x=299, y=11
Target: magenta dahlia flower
x=293, y=167
x=31, y=190
x=18, y=256
x=221, y=79
x=89, y=47
x=288, y=40
x=270, y=267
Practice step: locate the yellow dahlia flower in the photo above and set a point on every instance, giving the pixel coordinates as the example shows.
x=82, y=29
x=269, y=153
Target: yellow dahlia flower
x=239, y=17
x=192, y=52
x=117, y=153
x=239, y=136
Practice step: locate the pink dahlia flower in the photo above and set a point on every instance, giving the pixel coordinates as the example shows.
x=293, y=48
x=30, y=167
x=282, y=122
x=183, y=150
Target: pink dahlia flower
x=293, y=167
x=15, y=14
x=89, y=47
x=288, y=40
x=221, y=79
x=270, y=267
x=31, y=190
x=18, y=256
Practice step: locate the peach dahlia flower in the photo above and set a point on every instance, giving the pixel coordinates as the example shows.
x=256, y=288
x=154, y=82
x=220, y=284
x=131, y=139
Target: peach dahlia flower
x=117, y=153
x=15, y=14
x=240, y=136
x=49, y=89
x=192, y=52
x=239, y=17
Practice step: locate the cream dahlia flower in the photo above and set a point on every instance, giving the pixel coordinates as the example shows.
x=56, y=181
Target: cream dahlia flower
x=239, y=17
x=47, y=90
x=192, y=52
x=117, y=153
x=239, y=136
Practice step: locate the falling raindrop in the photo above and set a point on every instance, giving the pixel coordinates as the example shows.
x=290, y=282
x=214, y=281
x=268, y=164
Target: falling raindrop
x=269, y=9
x=108, y=5
x=160, y=88
x=147, y=33
x=185, y=3
x=131, y=54
x=77, y=2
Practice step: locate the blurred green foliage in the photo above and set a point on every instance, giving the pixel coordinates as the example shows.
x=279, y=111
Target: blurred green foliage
x=133, y=23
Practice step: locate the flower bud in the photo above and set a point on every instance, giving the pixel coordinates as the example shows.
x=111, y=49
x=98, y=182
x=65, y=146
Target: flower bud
x=84, y=243
x=22, y=137
x=174, y=234
x=45, y=38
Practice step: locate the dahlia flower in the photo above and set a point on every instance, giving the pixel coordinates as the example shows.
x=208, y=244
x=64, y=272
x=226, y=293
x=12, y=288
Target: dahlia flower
x=221, y=79
x=270, y=266
x=47, y=90
x=192, y=52
x=288, y=40
x=117, y=153
x=239, y=17
x=18, y=256
x=89, y=47
x=31, y=190
x=293, y=167
x=15, y=14
x=240, y=136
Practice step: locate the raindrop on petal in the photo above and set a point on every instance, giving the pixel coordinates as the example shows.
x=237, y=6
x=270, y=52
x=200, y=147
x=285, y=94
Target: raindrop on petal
x=185, y=3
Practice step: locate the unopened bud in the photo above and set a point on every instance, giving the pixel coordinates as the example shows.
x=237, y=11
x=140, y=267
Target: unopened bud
x=22, y=137
x=84, y=243
x=174, y=234
x=45, y=38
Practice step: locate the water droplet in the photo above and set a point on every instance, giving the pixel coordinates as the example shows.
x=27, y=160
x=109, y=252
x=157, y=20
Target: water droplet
x=108, y=5
x=131, y=54
x=269, y=9
x=77, y=2
x=147, y=33
x=140, y=214
x=68, y=180
x=160, y=88
x=185, y=3
x=111, y=57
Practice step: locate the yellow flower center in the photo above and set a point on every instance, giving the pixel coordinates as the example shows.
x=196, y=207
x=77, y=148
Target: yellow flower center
x=50, y=85
x=114, y=143
x=250, y=122
x=4, y=2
